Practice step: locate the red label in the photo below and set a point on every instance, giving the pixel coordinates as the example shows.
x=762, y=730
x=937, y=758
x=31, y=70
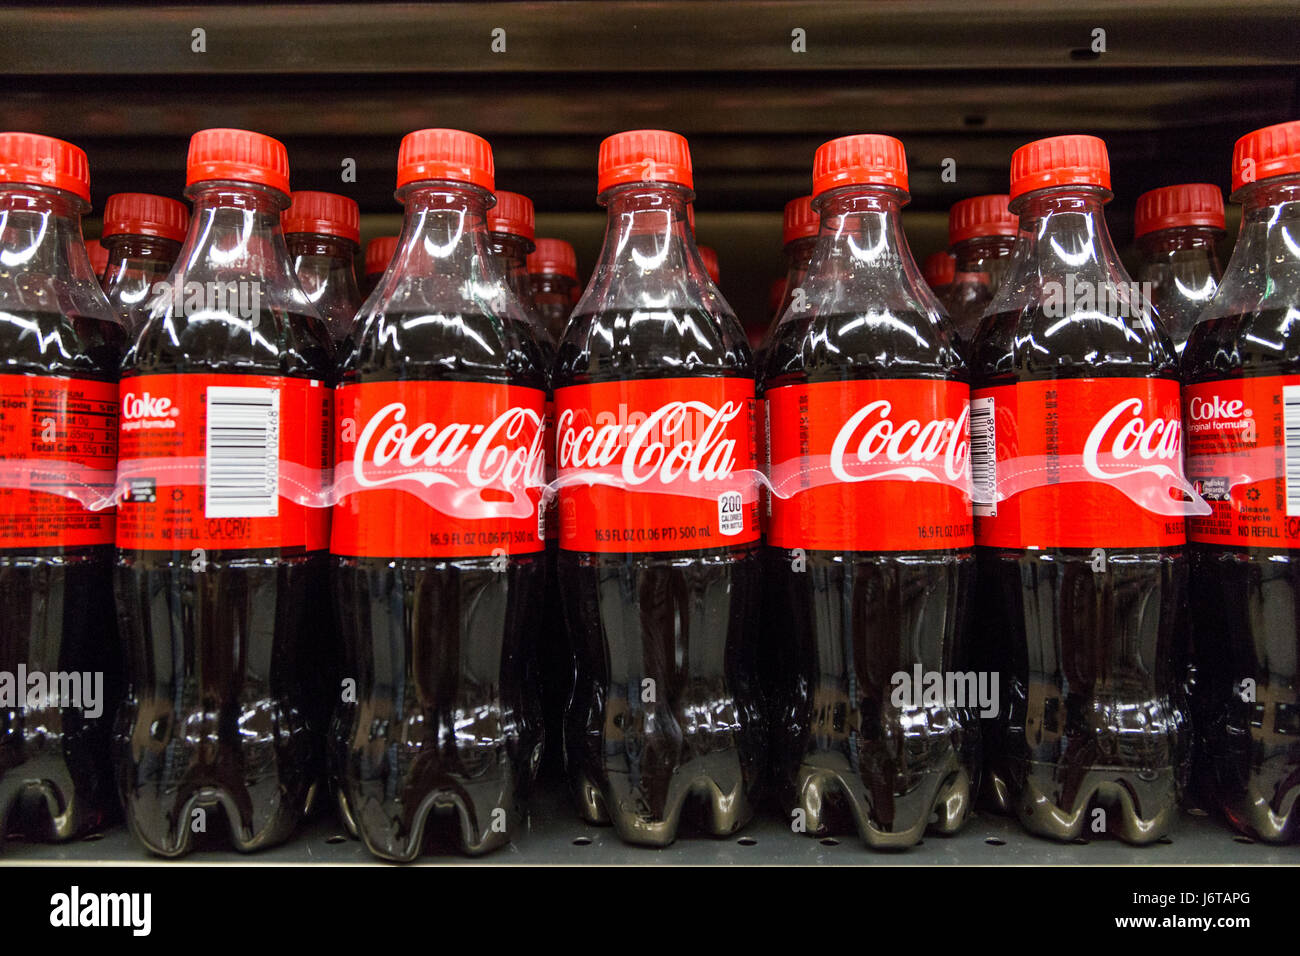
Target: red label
x=1078, y=463
x=657, y=465
x=438, y=469
x=223, y=461
x=870, y=465
x=72, y=423
x=1240, y=433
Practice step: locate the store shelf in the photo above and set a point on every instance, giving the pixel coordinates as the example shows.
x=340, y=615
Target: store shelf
x=556, y=836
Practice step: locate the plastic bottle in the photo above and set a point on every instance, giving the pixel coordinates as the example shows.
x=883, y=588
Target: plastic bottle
x=323, y=233
x=939, y=269
x=710, y=259
x=379, y=253
x=1241, y=374
x=799, y=225
x=437, y=543
x=553, y=271
x=1177, y=229
x=221, y=540
x=98, y=257
x=870, y=559
x=981, y=234
x=1075, y=431
x=659, y=538
x=59, y=351
x=142, y=236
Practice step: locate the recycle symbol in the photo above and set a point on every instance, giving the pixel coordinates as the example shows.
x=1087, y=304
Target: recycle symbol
x=1253, y=494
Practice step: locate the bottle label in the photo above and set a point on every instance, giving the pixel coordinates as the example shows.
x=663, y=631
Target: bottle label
x=1243, y=457
x=1078, y=463
x=655, y=465
x=870, y=465
x=223, y=462
x=439, y=469
x=70, y=423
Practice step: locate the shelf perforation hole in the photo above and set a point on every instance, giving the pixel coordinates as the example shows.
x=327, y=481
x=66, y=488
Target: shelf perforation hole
x=747, y=841
x=582, y=841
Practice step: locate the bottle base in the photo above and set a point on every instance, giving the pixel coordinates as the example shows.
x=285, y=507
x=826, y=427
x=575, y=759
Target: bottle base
x=1137, y=810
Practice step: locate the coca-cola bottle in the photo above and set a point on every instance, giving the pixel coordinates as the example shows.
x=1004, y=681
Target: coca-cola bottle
x=1241, y=373
x=1177, y=229
x=379, y=253
x=553, y=271
x=60, y=346
x=437, y=540
x=142, y=237
x=870, y=556
x=659, y=538
x=221, y=535
x=323, y=233
x=511, y=239
x=938, y=270
x=98, y=258
x=710, y=259
x=799, y=226
x=1075, y=454
x=981, y=234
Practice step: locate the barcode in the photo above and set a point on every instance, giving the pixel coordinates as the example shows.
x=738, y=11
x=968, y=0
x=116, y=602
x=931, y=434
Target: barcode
x=242, y=474
x=984, y=456
x=1291, y=422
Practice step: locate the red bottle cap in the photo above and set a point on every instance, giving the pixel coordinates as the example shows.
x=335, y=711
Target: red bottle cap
x=710, y=262
x=238, y=155
x=44, y=161
x=1267, y=152
x=449, y=154
x=1074, y=160
x=980, y=216
x=644, y=156
x=325, y=214
x=554, y=257
x=379, y=252
x=1188, y=204
x=865, y=159
x=144, y=214
x=799, y=220
x=512, y=215
x=98, y=256
x=940, y=268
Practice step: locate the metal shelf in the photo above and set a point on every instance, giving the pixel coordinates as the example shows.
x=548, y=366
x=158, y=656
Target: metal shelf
x=556, y=836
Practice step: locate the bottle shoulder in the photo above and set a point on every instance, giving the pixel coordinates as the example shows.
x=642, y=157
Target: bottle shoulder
x=651, y=343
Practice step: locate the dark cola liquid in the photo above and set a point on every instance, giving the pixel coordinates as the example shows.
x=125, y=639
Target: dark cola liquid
x=447, y=717
x=1093, y=712
x=136, y=265
x=219, y=712
x=840, y=625
x=1246, y=620
x=685, y=620
x=55, y=777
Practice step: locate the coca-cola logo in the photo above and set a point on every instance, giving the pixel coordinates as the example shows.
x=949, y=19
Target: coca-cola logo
x=507, y=452
x=871, y=435
x=667, y=444
x=1128, y=434
x=147, y=406
x=1215, y=408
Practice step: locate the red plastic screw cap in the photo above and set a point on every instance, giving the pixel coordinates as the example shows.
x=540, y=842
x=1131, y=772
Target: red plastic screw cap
x=940, y=268
x=44, y=161
x=710, y=263
x=799, y=220
x=1267, y=152
x=512, y=215
x=98, y=256
x=555, y=257
x=324, y=214
x=379, y=252
x=644, y=156
x=144, y=214
x=1074, y=160
x=979, y=217
x=1188, y=204
x=445, y=154
x=865, y=159
x=237, y=155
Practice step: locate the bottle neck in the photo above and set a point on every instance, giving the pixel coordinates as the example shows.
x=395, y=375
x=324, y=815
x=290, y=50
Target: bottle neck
x=983, y=253
x=139, y=254
x=44, y=265
x=862, y=251
x=1063, y=233
x=1270, y=222
x=512, y=251
x=323, y=264
x=551, y=283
